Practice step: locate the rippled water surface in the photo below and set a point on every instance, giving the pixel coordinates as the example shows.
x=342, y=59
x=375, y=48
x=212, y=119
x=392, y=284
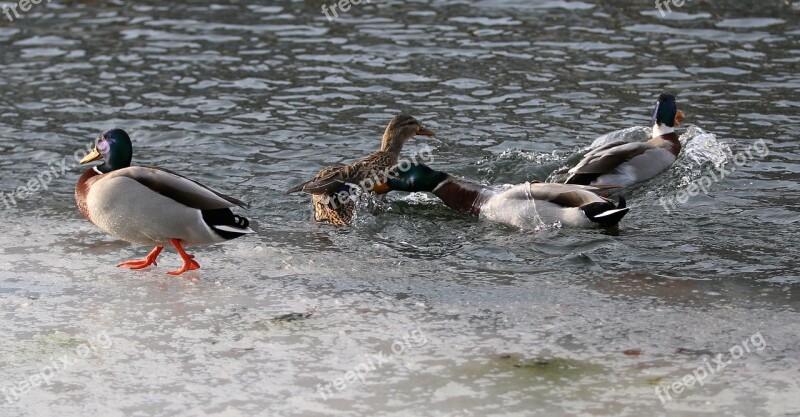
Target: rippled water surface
x=472, y=318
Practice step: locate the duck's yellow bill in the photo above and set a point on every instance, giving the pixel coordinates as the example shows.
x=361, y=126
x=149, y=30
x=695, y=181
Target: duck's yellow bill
x=679, y=117
x=95, y=155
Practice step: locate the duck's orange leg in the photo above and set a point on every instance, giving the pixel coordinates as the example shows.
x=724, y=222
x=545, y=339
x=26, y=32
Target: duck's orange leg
x=189, y=263
x=144, y=263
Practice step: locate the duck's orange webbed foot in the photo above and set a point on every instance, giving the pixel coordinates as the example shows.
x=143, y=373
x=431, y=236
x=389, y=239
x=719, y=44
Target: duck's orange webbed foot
x=189, y=264
x=144, y=263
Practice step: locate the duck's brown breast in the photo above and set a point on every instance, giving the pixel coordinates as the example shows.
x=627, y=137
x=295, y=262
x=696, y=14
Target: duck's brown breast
x=82, y=191
x=669, y=141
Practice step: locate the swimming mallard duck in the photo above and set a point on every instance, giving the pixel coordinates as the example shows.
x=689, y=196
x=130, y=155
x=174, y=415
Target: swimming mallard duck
x=153, y=206
x=334, y=188
x=623, y=163
x=522, y=205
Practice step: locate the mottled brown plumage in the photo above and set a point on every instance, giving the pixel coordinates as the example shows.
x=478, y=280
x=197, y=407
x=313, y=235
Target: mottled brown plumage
x=327, y=209
x=332, y=186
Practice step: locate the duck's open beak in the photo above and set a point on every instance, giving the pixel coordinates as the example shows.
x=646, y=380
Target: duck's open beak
x=679, y=117
x=95, y=155
x=424, y=131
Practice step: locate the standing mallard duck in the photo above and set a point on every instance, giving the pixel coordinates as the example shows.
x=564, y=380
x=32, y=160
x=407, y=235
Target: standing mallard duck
x=623, y=163
x=332, y=188
x=522, y=205
x=153, y=206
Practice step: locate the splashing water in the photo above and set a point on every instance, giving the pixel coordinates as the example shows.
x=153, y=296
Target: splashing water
x=701, y=152
x=631, y=134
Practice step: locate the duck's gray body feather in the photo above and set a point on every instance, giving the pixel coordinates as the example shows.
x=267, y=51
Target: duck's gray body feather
x=526, y=205
x=624, y=164
x=151, y=206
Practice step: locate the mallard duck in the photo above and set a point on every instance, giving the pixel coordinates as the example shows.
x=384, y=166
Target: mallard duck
x=153, y=206
x=623, y=163
x=334, y=188
x=521, y=205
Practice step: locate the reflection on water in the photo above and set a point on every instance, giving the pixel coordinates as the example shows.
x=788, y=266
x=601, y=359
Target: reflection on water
x=251, y=98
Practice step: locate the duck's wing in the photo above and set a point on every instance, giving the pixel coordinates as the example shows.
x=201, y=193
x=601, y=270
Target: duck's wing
x=568, y=195
x=585, y=197
x=179, y=188
x=331, y=179
x=326, y=179
x=605, y=159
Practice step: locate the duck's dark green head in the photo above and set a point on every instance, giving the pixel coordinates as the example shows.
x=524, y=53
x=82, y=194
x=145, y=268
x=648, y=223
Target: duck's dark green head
x=414, y=177
x=114, y=147
x=666, y=112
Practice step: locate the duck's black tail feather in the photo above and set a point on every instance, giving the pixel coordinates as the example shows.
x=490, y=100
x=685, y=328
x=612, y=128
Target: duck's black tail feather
x=606, y=214
x=226, y=224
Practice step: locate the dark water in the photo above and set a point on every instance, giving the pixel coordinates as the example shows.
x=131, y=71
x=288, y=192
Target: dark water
x=252, y=98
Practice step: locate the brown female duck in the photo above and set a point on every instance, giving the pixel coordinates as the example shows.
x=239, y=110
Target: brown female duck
x=334, y=188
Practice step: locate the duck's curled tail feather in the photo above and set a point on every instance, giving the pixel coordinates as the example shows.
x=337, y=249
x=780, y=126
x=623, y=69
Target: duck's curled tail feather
x=226, y=224
x=605, y=213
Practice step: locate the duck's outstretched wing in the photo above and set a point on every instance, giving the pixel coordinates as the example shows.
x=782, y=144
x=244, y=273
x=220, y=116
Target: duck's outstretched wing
x=604, y=160
x=179, y=188
x=331, y=179
x=327, y=179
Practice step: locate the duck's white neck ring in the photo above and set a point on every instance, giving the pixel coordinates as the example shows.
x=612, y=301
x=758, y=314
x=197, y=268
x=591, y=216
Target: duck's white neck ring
x=97, y=170
x=440, y=186
x=662, y=129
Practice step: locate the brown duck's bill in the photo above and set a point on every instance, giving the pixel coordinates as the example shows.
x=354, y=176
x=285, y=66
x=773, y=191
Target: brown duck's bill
x=95, y=155
x=381, y=188
x=424, y=131
x=679, y=117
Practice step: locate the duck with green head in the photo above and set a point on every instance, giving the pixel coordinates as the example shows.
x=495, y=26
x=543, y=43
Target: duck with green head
x=524, y=205
x=153, y=206
x=624, y=163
